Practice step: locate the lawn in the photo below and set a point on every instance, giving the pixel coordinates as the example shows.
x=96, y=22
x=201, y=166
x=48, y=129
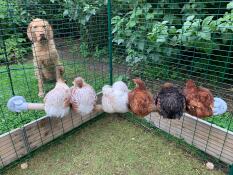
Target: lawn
x=113, y=145
x=25, y=84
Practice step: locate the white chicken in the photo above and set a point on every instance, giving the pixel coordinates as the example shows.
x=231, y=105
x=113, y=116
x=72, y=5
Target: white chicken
x=83, y=97
x=56, y=102
x=115, y=98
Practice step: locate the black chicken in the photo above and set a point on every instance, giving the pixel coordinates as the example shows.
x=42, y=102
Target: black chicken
x=170, y=102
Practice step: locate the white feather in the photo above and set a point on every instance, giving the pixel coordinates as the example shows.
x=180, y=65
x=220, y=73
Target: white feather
x=120, y=85
x=115, y=98
x=83, y=99
x=107, y=99
x=121, y=101
x=55, y=99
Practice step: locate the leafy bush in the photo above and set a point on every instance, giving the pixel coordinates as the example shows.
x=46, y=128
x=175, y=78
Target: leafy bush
x=11, y=45
x=14, y=50
x=156, y=36
x=91, y=16
x=158, y=33
x=144, y=37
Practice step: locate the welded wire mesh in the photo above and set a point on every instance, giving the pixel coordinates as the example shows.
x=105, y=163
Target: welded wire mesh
x=82, y=48
x=160, y=41
x=173, y=41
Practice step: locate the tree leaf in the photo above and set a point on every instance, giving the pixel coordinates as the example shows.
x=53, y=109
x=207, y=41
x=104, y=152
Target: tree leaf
x=149, y=16
x=190, y=18
x=186, y=25
x=155, y=57
x=141, y=45
x=115, y=19
x=2, y=16
x=230, y=5
x=161, y=39
x=226, y=37
x=119, y=41
x=128, y=58
x=207, y=20
x=172, y=30
x=205, y=35
x=66, y=13
x=131, y=23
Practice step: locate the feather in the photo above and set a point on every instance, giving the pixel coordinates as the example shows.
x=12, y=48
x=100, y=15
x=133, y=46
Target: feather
x=141, y=101
x=83, y=97
x=115, y=98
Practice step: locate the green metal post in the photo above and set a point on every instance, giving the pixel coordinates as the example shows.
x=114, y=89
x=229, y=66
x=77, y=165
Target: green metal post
x=110, y=40
x=231, y=170
x=7, y=62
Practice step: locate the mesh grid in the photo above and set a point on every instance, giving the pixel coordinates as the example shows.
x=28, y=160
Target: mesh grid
x=160, y=41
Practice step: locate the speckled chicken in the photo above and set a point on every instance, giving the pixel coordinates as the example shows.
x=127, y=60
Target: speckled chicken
x=56, y=102
x=199, y=100
x=83, y=97
x=170, y=102
x=115, y=98
x=141, y=101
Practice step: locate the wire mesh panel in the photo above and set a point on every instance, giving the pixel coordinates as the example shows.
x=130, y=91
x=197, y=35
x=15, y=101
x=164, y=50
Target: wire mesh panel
x=173, y=41
x=104, y=41
x=75, y=35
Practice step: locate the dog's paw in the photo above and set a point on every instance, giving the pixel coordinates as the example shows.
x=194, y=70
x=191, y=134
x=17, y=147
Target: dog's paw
x=41, y=94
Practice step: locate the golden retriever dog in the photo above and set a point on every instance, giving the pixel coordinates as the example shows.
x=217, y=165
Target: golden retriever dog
x=45, y=55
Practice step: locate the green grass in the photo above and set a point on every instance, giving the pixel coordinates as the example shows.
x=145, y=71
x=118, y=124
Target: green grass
x=112, y=145
x=25, y=84
x=224, y=121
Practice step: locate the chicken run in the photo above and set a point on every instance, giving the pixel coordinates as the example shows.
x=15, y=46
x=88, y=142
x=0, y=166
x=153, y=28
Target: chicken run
x=106, y=69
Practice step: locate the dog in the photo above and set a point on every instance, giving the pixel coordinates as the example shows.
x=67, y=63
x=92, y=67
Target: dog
x=45, y=56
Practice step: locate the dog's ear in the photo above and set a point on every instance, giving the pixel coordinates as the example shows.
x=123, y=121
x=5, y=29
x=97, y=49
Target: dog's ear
x=30, y=33
x=49, y=31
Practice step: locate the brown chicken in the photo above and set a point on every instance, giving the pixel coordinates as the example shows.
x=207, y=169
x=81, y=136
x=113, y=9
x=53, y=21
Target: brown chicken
x=199, y=100
x=141, y=101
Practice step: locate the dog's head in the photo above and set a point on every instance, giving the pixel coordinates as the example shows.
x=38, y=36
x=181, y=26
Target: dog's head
x=39, y=30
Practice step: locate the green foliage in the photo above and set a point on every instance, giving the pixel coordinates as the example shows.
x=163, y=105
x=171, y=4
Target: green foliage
x=83, y=49
x=86, y=14
x=12, y=17
x=81, y=10
x=14, y=49
x=198, y=33
x=25, y=84
x=143, y=36
x=225, y=121
x=155, y=35
x=100, y=53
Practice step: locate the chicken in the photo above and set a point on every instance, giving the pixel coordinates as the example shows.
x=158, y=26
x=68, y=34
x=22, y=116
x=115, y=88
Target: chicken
x=170, y=102
x=56, y=102
x=199, y=100
x=83, y=97
x=141, y=101
x=115, y=98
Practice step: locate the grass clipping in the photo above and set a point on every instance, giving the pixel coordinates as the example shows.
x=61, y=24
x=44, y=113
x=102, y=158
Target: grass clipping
x=113, y=145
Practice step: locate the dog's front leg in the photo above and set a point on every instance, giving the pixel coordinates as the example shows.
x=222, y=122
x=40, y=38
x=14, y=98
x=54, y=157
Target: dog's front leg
x=40, y=87
x=38, y=74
